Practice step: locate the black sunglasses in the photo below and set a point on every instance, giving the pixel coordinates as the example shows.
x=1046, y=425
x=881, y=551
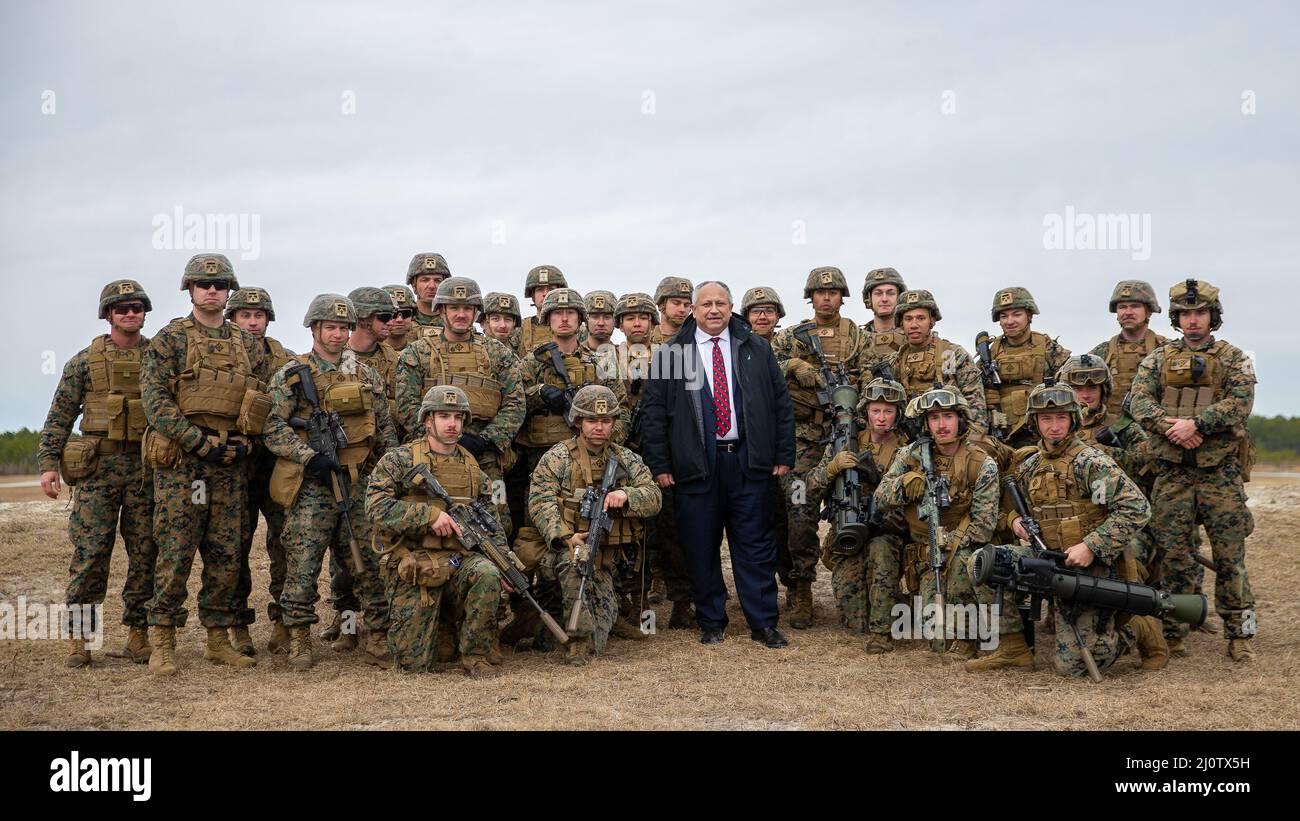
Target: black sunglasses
x=406, y=313
x=384, y=317
x=212, y=284
x=129, y=308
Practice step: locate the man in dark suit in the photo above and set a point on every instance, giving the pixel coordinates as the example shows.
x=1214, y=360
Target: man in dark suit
x=718, y=424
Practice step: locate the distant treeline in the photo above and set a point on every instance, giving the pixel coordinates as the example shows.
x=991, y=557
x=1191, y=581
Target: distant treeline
x=1277, y=438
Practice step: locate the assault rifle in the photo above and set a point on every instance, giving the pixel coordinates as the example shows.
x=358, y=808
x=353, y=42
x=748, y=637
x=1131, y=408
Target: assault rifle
x=326, y=436
x=992, y=380
x=599, y=523
x=480, y=533
x=935, y=500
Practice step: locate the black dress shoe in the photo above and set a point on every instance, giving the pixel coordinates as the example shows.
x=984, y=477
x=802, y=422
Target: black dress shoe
x=711, y=635
x=770, y=636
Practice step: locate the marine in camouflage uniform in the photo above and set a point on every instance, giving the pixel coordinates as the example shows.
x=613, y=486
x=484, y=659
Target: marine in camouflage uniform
x=306, y=480
x=400, y=330
x=101, y=384
x=534, y=330
x=842, y=344
x=1088, y=509
x=967, y=523
x=369, y=341
x=1133, y=302
x=673, y=297
x=1194, y=396
x=880, y=293
x=483, y=367
x=428, y=574
x=202, y=381
x=562, y=477
x=1023, y=358
x=500, y=319
x=424, y=274
x=664, y=564
x=864, y=580
x=599, y=326
x=252, y=310
x=926, y=359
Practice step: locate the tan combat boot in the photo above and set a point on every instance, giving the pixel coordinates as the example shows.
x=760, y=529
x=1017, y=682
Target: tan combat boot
x=1177, y=646
x=658, y=592
x=478, y=667
x=1012, y=652
x=683, y=616
x=78, y=655
x=377, y=651
x=448, y=647
x=300, y=657
x=494, y=655
x=801, y=615
x=961, y=650
x=878, y=643
x=279, y=641
x=1241, y=651
x=162, y=644
x=241, y=641
x=136, y=648
x=219, y=651
x=345, y=642
x=524, y=626
x=1151, y=644
x=333, y=629
x=626, y=629
x=578, y=654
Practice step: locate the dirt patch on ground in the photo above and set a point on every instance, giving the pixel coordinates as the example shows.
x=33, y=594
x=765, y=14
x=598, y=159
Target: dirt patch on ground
x=822, y=681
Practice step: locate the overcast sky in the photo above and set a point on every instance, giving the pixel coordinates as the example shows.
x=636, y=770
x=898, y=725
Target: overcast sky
x=750, y=142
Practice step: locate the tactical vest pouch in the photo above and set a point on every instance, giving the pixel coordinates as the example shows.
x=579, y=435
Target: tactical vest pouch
x=1014, y=369
x=217, y=395
x=1015, y=404
x=124, y=376
x=542, y=430
x=1246, y=454
x=253, y=410
x=126, y=422
x=80, y=459
x=529, y=547
x=286, y=481
x=354, y=404
x=159, y=451
x=425, y=568
x=1062, y=533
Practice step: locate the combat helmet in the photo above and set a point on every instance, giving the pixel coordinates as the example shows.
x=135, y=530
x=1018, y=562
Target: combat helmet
x=458, y=291
x=121, y=290
x=1134, y=290
x=1055, y=397
x=499, y=303
x=256, y=299
x=1086, y=369
x=547, y=275
x=761, y=295
x=908, y=300
x=1013, y=297
x=881, y=276
x=593, y=402
x=673, y=287
x=444, y=398
x=881, y=389
x=825, y=278
x=636, y=303
x=562, y=298
x=941, y=397
x=403, y=297
x=426, y=262
x=370, y=301
x=1192, y=294
x=330, y=308
x=208, y=266
x=600, y=302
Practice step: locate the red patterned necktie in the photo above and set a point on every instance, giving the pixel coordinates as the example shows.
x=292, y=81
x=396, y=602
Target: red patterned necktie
x=721, y=395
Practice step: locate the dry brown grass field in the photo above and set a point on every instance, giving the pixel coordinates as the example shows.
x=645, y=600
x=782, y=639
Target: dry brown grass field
x=822, y=681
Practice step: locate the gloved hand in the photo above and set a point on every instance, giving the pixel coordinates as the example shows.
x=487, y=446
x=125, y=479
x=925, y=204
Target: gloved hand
x=321, y=466
x=806, y=375
x=913, y=485
x=1107, y=437
x=475, y=444
x=840, y=462
x=554, y=399
x=213, y=452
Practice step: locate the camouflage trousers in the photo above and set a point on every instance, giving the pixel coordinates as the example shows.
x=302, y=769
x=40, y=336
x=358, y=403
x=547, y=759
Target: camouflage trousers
x=198, y=507
x=1215, y=497
x=664, y=551
x=259, y=501
x=118, y=496
x=599, y=601
x=310, y=526
x=799, y=561
x=473, y=591
x=864, y=584
x=958, y=586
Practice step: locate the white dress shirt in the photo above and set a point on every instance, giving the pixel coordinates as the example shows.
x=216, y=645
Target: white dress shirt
x=704, y=346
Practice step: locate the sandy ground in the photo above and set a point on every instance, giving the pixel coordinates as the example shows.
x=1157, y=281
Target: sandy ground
x=822, y=681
